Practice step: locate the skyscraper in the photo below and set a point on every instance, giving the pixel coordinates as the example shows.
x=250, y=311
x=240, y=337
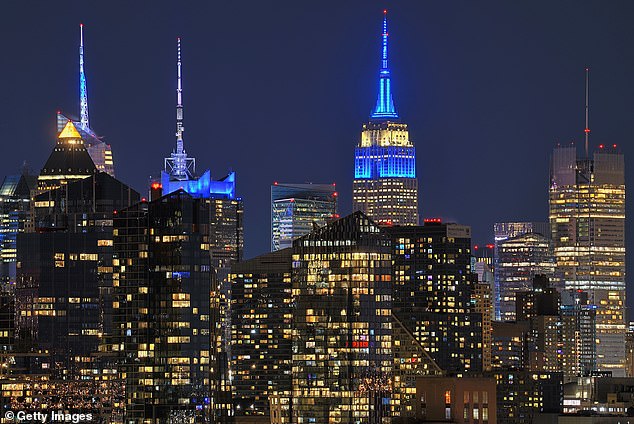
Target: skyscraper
x=342, y=335
x=385, y=185
x=100, y=152
x=433, y=289
x=297, y=208
x=520, y=259
x=502, y=232
x=69, y=161
x=587, y=217
x=164, y=309
x=224, y=242
x=261, y=340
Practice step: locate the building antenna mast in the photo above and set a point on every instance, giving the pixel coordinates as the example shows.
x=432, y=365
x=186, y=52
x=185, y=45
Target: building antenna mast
x=83, y=93
x=587, y=130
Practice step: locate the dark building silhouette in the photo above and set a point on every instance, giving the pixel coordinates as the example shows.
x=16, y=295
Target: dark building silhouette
x=165, y=316
x=433, y=288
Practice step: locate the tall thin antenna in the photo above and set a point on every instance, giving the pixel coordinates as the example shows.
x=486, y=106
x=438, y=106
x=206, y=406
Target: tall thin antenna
x=178, y=165
x=83, y=93
x=179, y=104
x=587, y=130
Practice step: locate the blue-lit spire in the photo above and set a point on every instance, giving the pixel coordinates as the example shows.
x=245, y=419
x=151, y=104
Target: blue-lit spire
x=384, y=103
x=83, y=93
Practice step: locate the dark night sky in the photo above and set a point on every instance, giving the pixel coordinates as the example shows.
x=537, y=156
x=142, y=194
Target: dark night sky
x=278, y=90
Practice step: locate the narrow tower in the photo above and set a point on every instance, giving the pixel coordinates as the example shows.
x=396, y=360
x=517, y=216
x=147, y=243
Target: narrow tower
x=83, y=94
x=385, y=185
x=99, y=151
x=178, y=165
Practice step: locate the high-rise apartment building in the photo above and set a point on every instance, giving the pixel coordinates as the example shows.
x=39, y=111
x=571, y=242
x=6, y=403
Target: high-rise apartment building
x=587, y=218
x=297, y=208
x=224, y=245
x=164, y=310
x=385, y=185
x=261, y=340
x=342, y=329
x=519, y=258
x=433, y=290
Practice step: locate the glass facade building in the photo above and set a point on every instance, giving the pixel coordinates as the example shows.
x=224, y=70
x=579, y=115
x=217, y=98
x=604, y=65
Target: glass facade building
x=385, y=185
x=342, y=333
x=164, y=309
x=519, y=260
x=587, y=217
x=297, y=208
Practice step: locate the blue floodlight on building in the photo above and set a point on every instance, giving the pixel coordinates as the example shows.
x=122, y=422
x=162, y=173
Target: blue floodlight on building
x=384, y=103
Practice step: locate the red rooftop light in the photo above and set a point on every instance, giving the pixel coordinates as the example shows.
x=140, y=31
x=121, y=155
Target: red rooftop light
x=156, y=186
x=438, y=220
x=600, y=146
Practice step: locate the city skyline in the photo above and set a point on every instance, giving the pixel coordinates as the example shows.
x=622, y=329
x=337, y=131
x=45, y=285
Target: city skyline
x=457, y=107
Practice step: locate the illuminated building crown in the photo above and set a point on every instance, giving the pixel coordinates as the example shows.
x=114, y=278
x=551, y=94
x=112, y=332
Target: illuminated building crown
x=384, y=103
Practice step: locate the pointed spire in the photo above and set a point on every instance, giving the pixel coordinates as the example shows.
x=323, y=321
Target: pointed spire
x=587, y=129
x=179, y=103
x=178, y=165
x=83, y=93
x=384, y=103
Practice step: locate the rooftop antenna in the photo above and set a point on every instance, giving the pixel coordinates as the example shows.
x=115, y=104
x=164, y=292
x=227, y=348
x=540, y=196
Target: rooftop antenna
x=178, y=165
x=384, y=103
x=587, y=130
x=83, y=93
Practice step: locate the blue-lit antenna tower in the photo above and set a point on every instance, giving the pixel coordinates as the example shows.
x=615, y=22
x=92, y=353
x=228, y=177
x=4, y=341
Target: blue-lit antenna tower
x=83, y=93
x=384, y=103
x=178, y=165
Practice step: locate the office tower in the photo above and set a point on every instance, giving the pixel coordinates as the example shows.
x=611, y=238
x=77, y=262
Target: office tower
x=164, y=312
x=297, y=208
x=503, y=231
x=587, y=217
x=69, y=161
x=15, y=207
x=261, y=332
x=385, y=185
x=433, y=291
x=64, y=267
x=100, y=152
x=578, y=335
x=342, y=335
x=457, y=399
x=519, y=259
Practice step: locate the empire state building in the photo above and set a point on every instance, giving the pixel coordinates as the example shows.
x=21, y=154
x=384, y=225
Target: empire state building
x=385, y=186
